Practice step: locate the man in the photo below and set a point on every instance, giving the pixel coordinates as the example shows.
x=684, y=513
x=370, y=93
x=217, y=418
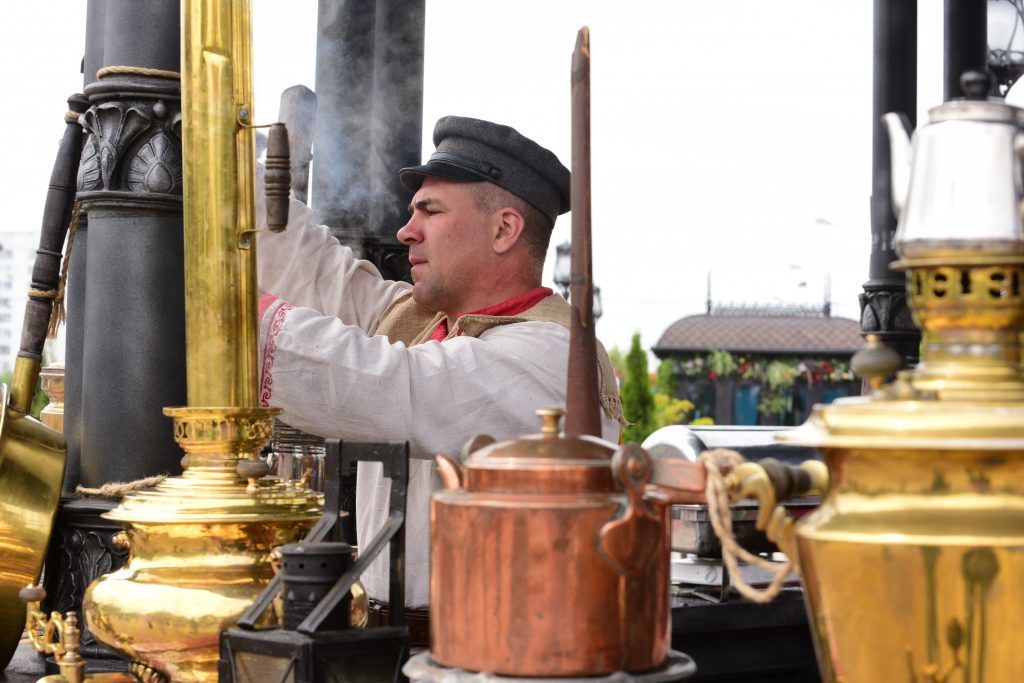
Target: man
x=475, y=345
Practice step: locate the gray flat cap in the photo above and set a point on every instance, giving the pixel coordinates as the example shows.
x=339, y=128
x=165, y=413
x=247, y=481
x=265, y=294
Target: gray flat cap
x=471, y=150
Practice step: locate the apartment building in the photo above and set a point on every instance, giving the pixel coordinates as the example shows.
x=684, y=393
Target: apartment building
x=17, y=253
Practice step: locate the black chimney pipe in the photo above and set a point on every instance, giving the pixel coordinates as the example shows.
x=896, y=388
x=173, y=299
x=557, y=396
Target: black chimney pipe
x=965, y=42
x=883, y=303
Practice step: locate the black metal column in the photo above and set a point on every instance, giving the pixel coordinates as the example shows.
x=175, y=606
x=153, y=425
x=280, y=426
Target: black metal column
x=126, y=303
x=883, y=303
x=369, y=87
x=342, y=137
x=75, y=296
x=965, y=42
x=397, y=128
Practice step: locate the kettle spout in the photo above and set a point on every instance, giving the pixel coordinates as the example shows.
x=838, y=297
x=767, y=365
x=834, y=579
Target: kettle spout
x=898, y=126
x=450, y=471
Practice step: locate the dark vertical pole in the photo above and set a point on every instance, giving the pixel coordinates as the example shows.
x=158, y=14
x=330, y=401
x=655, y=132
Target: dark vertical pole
x=369, y=88
x=397, y=116
x=582, y=402
x=342, y=137
x=125, y=302
x=133, y=357
x=965, y=42
x=75, y=296
x=884, y=302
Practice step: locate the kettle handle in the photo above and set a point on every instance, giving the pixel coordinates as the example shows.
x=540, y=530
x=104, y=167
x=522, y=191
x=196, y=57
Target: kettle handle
x=633, y=539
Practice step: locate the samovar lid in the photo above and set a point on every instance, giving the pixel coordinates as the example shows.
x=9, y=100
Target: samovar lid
x=548, y=462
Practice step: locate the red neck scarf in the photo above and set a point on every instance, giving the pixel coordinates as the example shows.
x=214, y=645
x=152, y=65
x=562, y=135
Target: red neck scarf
x=515, y=305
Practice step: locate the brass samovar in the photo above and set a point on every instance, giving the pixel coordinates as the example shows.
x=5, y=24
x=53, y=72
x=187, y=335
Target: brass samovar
x=200, y=544
x=914, y=563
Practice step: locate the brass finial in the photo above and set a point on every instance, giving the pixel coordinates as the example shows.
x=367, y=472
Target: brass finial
x=550, y=421
x=875, y=362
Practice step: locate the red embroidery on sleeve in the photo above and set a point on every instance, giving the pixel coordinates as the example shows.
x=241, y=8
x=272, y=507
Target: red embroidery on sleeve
x=270, y=350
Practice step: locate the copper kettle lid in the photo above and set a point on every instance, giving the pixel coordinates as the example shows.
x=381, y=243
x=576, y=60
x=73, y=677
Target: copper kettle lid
x=548, y=462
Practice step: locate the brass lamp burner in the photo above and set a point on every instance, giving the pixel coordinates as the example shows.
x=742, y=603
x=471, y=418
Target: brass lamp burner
x=970, y=309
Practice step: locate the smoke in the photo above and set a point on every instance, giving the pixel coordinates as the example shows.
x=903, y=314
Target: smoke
x=369, y=82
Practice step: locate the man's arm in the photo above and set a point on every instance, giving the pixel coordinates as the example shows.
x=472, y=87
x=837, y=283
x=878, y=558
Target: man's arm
x=306, y=266
x=333, y=380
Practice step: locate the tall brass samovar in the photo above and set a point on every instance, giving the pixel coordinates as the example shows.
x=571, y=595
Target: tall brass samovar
x=200, y=544
x=914, y=563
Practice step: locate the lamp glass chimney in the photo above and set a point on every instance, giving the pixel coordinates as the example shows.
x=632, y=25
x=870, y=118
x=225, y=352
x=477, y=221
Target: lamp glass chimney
x=1006, y=40
x=563, y=266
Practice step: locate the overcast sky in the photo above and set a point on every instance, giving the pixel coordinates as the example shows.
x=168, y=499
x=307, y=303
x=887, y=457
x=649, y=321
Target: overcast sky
x=730, y=137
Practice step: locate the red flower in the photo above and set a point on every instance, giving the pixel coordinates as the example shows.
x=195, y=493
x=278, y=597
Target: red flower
x=712, y=375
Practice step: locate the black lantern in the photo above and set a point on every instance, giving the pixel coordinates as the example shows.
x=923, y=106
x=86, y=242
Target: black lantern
x=314, y=640
x=563, y=268
x=1005, y=20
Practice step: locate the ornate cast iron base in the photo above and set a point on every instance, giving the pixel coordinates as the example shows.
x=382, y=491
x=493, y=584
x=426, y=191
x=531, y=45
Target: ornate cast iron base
x=82, y=550
x=884, y=311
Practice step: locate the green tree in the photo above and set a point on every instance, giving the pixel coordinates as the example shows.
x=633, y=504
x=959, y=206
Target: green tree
x=668, y=382
x=39, y=400
x=637, y=397
x=618, y=362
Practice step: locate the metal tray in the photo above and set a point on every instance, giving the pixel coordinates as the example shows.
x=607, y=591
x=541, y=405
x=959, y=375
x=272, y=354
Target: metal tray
x=692, y=532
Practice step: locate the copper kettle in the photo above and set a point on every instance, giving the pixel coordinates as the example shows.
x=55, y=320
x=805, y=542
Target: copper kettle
x=549, y=558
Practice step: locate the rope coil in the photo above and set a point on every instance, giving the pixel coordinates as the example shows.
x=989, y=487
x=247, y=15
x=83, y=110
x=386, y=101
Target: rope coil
x=117, y=489
x=720, y=512
x=58, y=316
x=137, y=71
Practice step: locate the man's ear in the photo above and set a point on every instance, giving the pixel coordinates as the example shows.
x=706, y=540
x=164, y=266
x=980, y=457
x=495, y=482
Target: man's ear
x=507, y=227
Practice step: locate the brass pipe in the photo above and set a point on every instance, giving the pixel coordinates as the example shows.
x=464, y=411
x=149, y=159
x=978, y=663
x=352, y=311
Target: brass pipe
x=23, y=383
x=218, y=153
x=200, y=542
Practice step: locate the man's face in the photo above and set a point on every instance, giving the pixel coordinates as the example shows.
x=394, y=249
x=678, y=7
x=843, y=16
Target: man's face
x=449, y=244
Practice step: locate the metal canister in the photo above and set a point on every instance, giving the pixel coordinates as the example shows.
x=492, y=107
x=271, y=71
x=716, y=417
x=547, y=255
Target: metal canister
x=549, y=559
x=309, y=571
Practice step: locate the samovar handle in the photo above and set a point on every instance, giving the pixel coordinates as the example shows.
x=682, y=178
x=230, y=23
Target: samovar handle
x=770, y=481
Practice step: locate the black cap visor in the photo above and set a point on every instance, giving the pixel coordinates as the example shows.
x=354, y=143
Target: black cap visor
x=451, y=166
x=412, y=177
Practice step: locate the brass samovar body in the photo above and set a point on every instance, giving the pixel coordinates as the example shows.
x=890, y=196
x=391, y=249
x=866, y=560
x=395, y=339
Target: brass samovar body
x=914, y=563
x=200, y=544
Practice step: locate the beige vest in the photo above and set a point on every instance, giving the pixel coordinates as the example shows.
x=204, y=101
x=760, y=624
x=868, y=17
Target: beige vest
x=407, y=322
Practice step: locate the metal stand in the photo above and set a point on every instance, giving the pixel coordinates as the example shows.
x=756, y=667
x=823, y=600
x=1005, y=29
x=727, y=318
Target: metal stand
x=310, y=653
x=422, y=668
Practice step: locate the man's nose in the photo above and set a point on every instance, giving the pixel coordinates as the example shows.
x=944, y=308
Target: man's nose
x=409, y=233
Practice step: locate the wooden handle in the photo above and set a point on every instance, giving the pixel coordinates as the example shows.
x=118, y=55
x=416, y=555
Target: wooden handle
x=278, y=179
x=583, y=402
x=57, y=209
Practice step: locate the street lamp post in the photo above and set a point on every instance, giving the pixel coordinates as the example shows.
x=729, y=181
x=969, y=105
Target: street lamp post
x=1005, y=24
x=563, y=276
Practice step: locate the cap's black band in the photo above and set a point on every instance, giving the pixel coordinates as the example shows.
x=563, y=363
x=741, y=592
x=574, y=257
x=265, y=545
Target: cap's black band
x=467, y=163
